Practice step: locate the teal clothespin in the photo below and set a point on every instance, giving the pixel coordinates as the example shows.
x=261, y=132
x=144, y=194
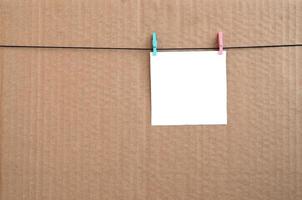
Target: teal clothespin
x=154, y=44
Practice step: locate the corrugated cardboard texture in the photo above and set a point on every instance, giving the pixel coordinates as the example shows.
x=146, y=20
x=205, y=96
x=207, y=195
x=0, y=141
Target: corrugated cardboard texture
x=125, y=23
x=75, y=124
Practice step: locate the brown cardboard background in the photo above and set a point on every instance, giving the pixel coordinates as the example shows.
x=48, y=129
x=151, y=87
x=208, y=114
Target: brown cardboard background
x=125, y=23
x=75, y=124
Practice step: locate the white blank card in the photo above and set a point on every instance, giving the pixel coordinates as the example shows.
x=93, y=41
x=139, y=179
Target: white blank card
x=188, y=88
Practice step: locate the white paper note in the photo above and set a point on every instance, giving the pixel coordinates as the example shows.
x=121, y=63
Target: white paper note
x=188, y=88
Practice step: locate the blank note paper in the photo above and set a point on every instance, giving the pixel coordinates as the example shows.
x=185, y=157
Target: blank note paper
x=188, y=88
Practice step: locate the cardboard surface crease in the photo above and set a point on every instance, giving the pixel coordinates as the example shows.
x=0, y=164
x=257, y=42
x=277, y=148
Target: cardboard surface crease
x=75, y=124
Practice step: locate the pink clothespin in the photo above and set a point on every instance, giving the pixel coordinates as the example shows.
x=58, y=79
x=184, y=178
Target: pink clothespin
x=220, y=42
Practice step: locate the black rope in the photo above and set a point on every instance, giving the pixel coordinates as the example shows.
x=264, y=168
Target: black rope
x=146, y=49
